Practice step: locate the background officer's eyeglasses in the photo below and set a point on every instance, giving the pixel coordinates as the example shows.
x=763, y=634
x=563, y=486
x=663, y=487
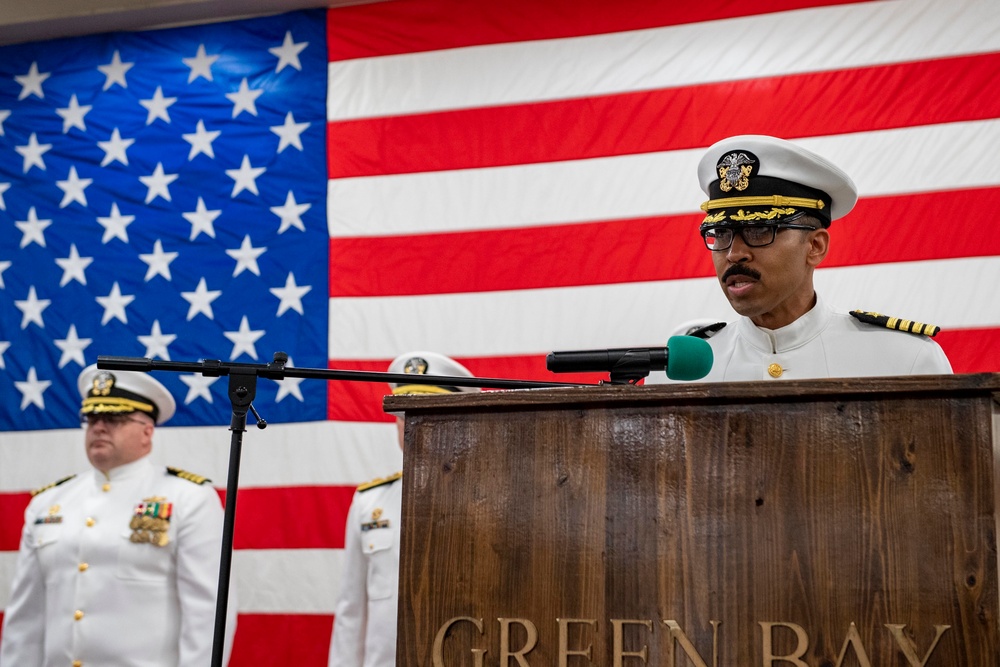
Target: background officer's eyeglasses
x=755, y=236
x=113, y=420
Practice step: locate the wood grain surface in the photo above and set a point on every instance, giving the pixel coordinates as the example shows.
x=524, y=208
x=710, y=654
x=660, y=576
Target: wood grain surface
x=814, y=523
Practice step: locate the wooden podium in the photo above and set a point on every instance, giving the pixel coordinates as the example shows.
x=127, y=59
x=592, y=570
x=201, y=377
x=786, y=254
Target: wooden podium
x=824, y=523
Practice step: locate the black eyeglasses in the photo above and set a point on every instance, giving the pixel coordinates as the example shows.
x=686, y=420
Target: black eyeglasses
x=111, y=419
x=756, y=236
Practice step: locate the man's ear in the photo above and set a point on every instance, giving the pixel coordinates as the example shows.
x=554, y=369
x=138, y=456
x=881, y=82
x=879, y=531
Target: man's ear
x=819, y=246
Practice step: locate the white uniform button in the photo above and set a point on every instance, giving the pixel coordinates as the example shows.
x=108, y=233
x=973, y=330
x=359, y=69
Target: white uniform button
x=775, y=370
x=77, y=663
x=77, y=615
x=83, y=567
x=90, y=521
x=106, y=488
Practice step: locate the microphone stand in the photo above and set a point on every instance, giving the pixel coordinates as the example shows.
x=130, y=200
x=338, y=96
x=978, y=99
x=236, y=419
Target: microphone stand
x=242, y=391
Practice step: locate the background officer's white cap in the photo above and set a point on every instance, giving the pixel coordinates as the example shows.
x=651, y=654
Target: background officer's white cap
x=754, y=178
x=428, y=363
x=121, y=392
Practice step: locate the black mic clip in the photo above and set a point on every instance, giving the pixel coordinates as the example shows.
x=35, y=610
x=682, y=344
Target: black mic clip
x=633, y=366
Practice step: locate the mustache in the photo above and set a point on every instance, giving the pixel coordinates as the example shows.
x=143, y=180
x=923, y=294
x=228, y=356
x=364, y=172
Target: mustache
x=740, y=270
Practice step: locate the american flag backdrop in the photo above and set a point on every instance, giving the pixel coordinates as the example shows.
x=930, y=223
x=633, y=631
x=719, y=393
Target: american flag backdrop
x=488, y=180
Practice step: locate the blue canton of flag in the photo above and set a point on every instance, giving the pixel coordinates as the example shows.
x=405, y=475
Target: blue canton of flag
x=163, y=195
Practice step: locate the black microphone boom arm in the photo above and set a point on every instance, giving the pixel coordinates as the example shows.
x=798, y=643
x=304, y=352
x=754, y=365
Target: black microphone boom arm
x=242, y=390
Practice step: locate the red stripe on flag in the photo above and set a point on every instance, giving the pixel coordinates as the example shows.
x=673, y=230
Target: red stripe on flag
x=316, y=516
x=648, y=249
x=941, y=91
x=483, y=261
x=362, y=401
x=312, y=517
x=915, y=227
x=411, y=26
x=972, y=350
x=12, y=507
x=281, y=640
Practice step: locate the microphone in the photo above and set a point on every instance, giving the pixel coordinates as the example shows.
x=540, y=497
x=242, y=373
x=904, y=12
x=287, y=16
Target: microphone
x=684, y=358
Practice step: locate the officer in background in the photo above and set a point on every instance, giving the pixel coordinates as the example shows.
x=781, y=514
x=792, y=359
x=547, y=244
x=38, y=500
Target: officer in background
x=766, y=226
x=364, y=624
x=118, y=565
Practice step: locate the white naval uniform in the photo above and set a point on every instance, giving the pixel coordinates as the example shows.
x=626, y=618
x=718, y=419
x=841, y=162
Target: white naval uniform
x=85, y=595
x=822, y=343
x=364, y=623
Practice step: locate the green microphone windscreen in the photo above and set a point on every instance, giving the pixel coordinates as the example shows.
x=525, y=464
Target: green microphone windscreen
x=688, y=358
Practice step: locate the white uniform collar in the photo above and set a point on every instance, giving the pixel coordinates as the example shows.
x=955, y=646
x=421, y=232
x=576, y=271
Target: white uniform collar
x=789, y=337
x=123, y=472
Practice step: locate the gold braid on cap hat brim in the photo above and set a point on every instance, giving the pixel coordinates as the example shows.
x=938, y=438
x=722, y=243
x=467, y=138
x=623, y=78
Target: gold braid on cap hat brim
x=421, y=389
x=773, y=200
x=114, y=404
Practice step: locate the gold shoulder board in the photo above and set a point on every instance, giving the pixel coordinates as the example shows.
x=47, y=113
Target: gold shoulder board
x=379, y=481
x=51, y=486
x=189, y=476
x=896, y=323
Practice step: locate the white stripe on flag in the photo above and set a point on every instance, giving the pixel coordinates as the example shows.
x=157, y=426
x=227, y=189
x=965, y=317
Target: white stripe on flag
x=297, y=454
x=287, y=581
x=272, y=581
x=538, y=321
x=825, y=38
x=884, y=162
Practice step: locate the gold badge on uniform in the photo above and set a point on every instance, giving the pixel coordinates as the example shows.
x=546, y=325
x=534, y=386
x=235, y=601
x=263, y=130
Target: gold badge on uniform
x=151, y=521
x=376, y=522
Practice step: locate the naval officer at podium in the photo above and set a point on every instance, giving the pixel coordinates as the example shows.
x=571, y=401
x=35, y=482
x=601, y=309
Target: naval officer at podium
x=766, y=226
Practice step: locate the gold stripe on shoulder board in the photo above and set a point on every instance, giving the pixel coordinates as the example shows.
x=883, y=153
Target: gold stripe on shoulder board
x=189, y=476
x=51, y=486
x=896, y=323
x=379, y=481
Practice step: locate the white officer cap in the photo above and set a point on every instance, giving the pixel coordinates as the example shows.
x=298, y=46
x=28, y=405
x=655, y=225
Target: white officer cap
x=755, y=178
x=428, y=363
x=107, y=392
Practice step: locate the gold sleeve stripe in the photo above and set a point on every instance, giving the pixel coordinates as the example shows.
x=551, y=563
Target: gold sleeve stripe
x=51, y=486
x=896, y=323
x=189, y=476
x=379, y=481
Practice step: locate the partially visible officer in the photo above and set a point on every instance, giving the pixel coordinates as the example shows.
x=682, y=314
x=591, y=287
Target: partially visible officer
x=364, y=624
x=118, y=565
x=770, y=204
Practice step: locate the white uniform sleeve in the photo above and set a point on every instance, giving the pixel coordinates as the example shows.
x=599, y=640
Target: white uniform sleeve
x=931, y=361
x=23, y=643
x=347, y=647
x=199, y=549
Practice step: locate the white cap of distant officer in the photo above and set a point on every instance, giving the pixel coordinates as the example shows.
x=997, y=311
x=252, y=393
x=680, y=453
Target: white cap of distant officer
x=422, y=362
